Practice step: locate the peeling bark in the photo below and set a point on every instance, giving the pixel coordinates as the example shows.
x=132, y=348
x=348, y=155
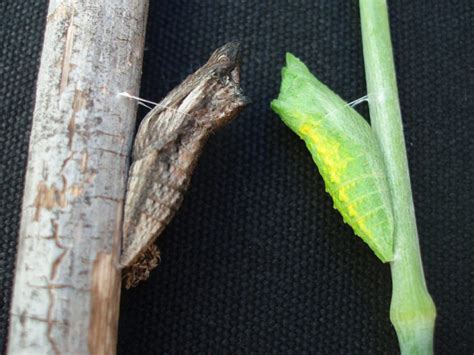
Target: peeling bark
x=105, y=295
x=67, y=282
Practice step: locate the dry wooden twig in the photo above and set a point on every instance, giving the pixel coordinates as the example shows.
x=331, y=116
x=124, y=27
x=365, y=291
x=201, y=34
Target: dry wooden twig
x=67, y=283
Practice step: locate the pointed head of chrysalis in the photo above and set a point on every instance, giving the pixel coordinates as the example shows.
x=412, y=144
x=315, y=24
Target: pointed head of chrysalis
x=223, y=68
x=345, y=151
x=294, y=91
x=299, y=88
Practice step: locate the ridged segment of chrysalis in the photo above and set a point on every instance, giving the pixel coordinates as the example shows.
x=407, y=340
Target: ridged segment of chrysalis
x=345, y=151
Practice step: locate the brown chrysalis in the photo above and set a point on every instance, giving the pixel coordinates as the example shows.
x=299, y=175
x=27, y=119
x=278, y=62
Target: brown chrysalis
x=166, y=149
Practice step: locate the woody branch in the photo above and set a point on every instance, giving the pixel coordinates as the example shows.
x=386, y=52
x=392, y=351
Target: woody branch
x=67, y=284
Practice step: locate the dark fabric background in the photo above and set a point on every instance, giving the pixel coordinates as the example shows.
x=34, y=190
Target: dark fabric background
x=256, y=260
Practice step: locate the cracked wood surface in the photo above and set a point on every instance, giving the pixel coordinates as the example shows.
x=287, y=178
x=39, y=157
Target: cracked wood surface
x=67, y=282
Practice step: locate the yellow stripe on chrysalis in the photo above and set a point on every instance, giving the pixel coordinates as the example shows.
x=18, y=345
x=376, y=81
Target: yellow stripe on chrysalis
x=345, y=151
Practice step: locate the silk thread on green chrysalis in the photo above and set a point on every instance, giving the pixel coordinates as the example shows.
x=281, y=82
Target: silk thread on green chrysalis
x=345, y=151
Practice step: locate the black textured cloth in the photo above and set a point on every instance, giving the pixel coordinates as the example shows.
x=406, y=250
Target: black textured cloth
x=257, y=260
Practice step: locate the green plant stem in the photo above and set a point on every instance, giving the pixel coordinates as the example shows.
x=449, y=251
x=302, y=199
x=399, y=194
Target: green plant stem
x=412, y=310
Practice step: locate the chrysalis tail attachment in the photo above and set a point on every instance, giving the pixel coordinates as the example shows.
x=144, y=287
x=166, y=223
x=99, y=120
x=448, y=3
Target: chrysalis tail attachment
x=141, y=268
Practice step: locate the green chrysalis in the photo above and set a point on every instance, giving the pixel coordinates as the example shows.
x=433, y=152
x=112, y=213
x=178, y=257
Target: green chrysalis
x=345, y=151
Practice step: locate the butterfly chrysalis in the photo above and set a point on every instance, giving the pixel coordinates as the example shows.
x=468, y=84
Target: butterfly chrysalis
x=345, y=151
x=166, y=149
